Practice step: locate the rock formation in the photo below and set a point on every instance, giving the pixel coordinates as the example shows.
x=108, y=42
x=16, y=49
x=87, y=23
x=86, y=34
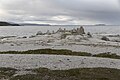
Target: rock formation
x=81, y=30
x=39, y=33
x=89, y=35
x=105, y=38
x=48, y=32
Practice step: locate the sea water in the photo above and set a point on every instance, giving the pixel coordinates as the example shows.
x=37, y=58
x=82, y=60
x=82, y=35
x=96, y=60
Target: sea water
x=32, y=30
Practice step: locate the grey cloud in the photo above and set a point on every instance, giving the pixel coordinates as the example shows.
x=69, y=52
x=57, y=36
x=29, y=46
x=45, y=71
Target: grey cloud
x=101, y=11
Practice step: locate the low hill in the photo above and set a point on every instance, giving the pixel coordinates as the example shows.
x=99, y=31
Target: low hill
x=31, y=24
x=8, y=24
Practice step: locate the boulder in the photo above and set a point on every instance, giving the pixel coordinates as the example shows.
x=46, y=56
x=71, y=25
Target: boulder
x=89, y=35
x=39, y=33
x=105, y=38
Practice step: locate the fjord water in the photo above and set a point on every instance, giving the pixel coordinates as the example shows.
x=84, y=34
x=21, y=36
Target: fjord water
x=32, y=30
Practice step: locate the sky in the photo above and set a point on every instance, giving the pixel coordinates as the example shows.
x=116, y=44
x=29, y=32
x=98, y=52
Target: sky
x=72, y=12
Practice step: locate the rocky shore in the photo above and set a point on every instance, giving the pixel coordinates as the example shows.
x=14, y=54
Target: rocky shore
x=75, y=39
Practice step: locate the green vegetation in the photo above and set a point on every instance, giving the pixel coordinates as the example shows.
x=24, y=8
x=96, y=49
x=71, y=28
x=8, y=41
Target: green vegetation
x=107, y=55
x=6, y=72
x=63, y=52
x=49, y=51
x=71, y=74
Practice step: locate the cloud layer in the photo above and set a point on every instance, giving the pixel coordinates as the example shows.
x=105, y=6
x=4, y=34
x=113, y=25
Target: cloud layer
x=61, y=11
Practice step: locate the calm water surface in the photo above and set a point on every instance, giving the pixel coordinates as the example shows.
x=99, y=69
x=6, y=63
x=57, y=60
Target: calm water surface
x=32, y=30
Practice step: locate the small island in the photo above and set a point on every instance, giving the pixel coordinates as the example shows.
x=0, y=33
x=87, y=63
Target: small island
x=2, y=23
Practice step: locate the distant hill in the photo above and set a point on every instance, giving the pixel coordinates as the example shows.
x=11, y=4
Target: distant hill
x=31, y=24
x=100, y=24
x=8, y=24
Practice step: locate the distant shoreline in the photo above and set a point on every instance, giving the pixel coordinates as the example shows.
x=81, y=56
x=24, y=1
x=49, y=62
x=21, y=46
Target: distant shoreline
x=4, y=23
x=8, y=24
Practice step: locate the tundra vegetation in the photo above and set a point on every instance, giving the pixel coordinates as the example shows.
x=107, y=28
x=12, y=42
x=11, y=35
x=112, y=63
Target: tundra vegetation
x=64, y=52
x=71, y=74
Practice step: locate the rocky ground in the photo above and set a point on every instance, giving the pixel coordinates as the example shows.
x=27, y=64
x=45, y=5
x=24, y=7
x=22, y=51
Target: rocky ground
x=71, y=74
x=65, y=66
x=95, y=44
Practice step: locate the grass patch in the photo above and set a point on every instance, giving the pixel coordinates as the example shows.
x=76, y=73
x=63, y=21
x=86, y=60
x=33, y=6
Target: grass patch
x=63, y=52
x=107, y=55
x=72, y=74
x=49, y=51
x=6, y=72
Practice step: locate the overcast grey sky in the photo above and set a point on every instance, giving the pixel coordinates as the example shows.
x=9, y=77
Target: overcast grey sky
x=61, y=11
